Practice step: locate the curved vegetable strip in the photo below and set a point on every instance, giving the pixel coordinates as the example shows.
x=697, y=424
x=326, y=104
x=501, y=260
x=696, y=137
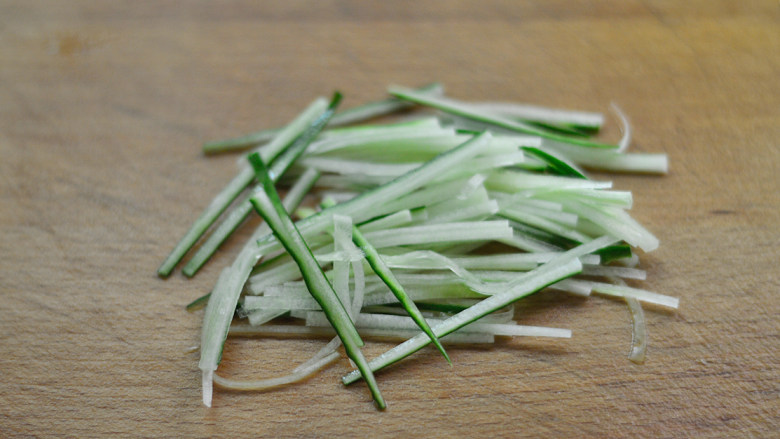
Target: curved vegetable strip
x=639, y=334
x=270, y=383
x=267, y=203
x=625, y=128
x=383, y=271
x=224, y=297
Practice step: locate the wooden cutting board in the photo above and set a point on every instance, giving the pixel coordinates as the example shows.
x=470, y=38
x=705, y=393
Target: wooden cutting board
x=103, y=107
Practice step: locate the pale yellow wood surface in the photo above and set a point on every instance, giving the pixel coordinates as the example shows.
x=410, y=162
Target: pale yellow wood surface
x=103, y=106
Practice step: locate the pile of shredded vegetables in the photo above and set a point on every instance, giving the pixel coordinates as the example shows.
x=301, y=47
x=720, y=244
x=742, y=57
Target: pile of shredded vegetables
x=423, y=230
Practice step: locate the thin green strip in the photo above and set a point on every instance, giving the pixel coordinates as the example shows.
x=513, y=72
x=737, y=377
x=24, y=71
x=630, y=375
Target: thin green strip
x=383, y=271
x=468, y=113
x=268, y=205
x=554, y=164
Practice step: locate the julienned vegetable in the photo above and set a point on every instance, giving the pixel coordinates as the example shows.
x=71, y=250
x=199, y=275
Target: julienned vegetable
x=428, y=230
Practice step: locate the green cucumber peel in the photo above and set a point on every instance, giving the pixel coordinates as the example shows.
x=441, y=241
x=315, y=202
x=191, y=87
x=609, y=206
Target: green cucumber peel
x=554, y=164
x=465, y=111
x=198, y=303
x=383, y=271
x=269, y=206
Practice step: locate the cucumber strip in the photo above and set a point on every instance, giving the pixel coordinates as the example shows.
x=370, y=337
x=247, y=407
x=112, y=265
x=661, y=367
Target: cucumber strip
x=198, y=303
x=399, y=148
x=372, y=333
x=514, y=182
x=468, y=213
x=528, y=243
x=485, y=165
x=476, y=196
x=625, y=127
x=267, y=203
x=436, y=233
x=342, y=235
x=513, y=261
x=535, y=113
x=572, y=286
x=424, y=293
x=609, y=270
x=365, y=320
x=564, y=219
x=341, y=166
x=375, y=202
x=352, y=115
x=621, y=253
x=639, y=331
x=305, y=135
x=359, y=290
x=621, y=199
x=567, y=130
x=556, y=165
x=605, y=160
x=543, y=224
x=367, y=132
x=271, y=383
x=327, y=350
x=383, y=271
x=615, y=222
x=431, y=194
x=393, y=220
x=465, y=110
x=430, y=260
x=260, y=317
x=637, y=293
x=382, y=107
x=282, y=140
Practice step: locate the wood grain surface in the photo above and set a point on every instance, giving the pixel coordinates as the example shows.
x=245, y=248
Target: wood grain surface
x=104, y=105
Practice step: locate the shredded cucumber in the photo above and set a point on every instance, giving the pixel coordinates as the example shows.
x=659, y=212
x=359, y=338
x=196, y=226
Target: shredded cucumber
x=422, y=231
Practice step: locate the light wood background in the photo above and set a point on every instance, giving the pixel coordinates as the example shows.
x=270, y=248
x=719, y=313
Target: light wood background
x=104, y=105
